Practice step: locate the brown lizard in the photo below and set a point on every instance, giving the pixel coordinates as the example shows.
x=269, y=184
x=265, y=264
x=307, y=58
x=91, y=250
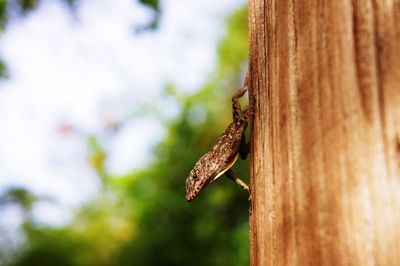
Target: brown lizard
x=223, y=155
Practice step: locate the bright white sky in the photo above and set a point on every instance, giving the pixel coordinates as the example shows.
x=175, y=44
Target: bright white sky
x=86, y=71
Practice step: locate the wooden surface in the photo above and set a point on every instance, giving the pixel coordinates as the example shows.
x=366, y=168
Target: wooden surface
x=325, y=170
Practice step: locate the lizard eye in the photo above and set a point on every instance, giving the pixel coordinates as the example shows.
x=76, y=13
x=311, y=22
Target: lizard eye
x=194, y=176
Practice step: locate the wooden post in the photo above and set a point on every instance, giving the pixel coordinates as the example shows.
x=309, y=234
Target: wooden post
x=325, y=170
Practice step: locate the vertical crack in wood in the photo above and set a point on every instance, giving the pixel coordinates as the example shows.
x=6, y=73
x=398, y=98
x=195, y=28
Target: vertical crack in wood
x=293, y=126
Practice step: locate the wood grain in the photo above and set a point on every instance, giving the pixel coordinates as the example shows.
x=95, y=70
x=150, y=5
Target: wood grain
x=325, y=170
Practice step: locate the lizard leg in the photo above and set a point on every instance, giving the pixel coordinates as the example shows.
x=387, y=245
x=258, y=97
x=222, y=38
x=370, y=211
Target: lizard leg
x=237, y=180
x=236, y=108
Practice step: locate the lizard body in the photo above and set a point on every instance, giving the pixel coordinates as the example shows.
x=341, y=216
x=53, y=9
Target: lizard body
x=224, y=154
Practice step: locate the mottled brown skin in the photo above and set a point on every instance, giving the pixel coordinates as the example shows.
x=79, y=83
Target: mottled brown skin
x=222, y=155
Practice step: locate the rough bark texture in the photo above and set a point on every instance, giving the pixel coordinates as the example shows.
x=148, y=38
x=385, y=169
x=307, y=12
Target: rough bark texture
x=325, y=173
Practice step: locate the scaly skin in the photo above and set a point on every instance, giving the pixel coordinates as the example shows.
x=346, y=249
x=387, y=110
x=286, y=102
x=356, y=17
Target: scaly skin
x=222, y=155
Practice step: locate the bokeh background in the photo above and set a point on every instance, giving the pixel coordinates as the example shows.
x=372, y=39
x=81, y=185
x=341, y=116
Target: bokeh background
x=105, y=106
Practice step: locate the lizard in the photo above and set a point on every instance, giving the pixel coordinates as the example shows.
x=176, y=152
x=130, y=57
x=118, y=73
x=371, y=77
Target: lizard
x=222, y=156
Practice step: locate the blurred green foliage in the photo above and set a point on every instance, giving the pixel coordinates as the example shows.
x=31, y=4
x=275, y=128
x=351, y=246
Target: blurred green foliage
x=18, y=195
x=3, y=9
x=141, y=218
x=155, y=6
x=28, y=5
x=3, y=69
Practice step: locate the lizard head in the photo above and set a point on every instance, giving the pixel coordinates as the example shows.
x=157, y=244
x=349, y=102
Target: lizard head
x=194, y=184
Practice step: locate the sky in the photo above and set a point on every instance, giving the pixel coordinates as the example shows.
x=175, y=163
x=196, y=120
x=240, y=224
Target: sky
x=76, y=75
